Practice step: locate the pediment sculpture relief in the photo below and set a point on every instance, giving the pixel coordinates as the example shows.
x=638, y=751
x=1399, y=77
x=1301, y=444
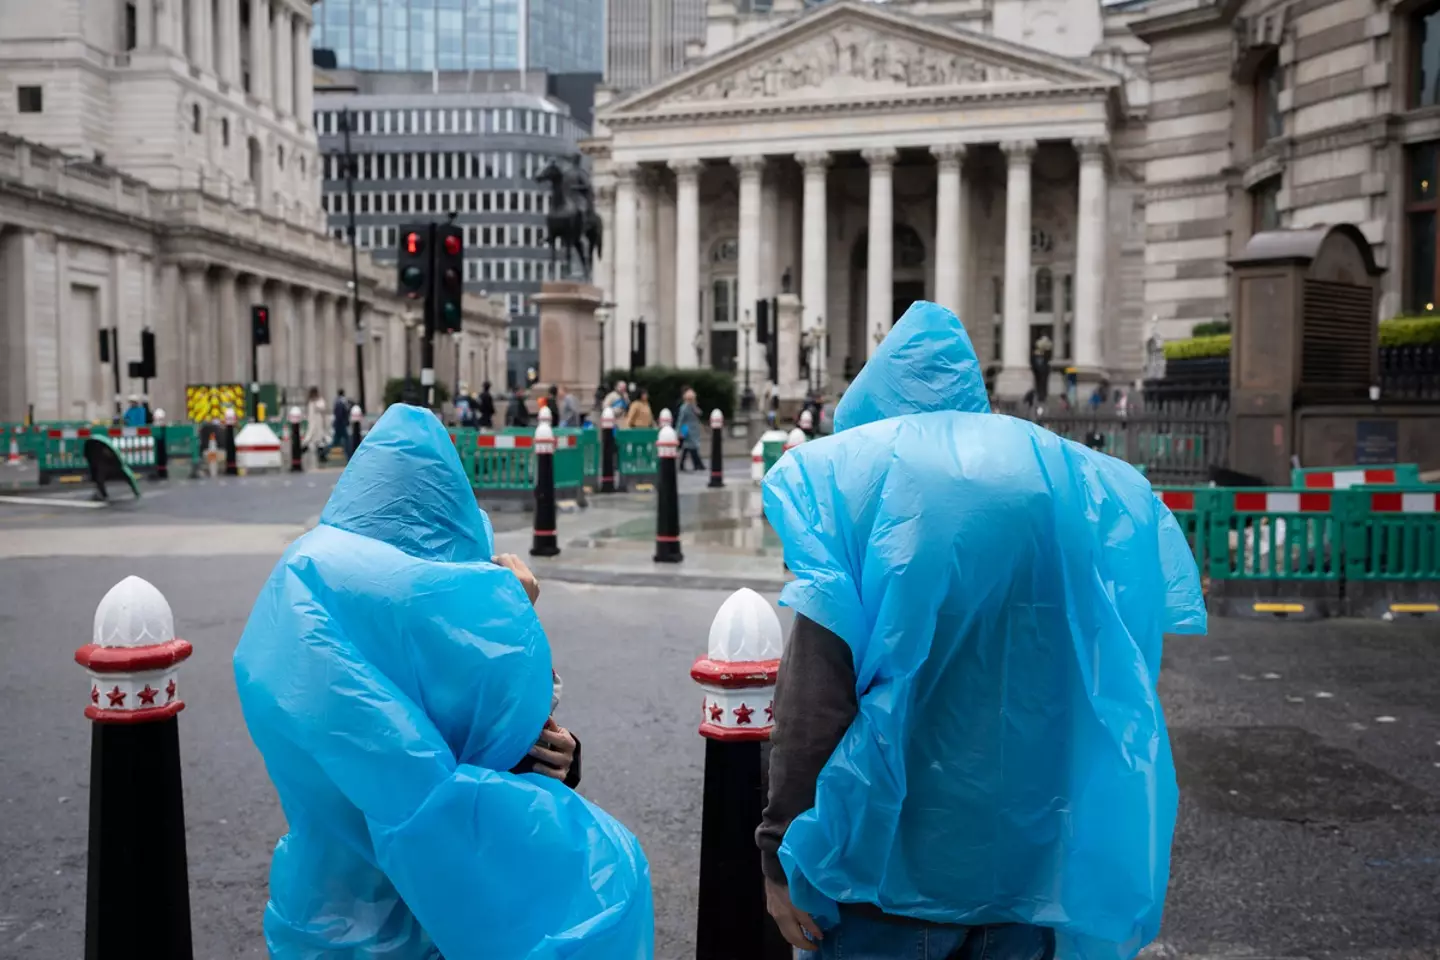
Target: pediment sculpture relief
x=853, y=54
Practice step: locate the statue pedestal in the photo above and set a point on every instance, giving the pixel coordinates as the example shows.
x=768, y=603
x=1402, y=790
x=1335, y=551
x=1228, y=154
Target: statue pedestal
x=570, y=337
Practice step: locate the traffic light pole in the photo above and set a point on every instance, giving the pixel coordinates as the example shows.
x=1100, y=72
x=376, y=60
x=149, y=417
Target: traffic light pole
x=346, y=121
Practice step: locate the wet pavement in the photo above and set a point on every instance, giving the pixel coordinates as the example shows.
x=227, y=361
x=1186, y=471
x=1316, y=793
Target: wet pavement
x=1308, y=754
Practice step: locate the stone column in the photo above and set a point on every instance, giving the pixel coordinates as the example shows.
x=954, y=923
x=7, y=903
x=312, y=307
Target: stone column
x=255, y=293
x=198, y=324
x=259, y=50
x=687, y=259
x=309, y=350
x=880, y=253
x=1015, y=342
x=228, y=342
x=144, y=18
x=747, y=282
x=648, y=302
x=627, y=217
x=170, y=343
x=949, y=227
x=304, y=74
x=813, y=240
x=345, y=334
x=227, y=40
x=326, y=350
x=1090, y=258
x=284, y=62
x=197, y=40
x=603, y=268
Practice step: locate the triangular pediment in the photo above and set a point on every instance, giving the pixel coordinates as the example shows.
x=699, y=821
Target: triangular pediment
x=852, y=50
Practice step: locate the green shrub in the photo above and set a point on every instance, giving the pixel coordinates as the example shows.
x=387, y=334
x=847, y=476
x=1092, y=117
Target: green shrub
x=713, y=388
x=1409, y=331
x=1210, y=328
x=1198, y=348
x=395, y=390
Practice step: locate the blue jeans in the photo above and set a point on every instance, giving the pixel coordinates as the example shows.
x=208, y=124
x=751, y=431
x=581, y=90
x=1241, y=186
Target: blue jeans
x=866, y=938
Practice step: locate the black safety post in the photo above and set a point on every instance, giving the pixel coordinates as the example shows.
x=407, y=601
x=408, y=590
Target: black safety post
x=162, y=452
x=137, y=810
x=607, y=451
x=297, y=454
x=231, y=469
x=544, y=542
x=717, y=448
x=667, y=519
x=736, y=720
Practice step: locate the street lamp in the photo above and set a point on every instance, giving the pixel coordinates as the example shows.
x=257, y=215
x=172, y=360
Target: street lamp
x=747, y=398
x=602, y=314
x=349, y=166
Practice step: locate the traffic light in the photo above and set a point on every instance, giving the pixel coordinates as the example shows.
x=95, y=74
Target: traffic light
x=259, y=324
x=415, y=260
x=450, y=277
x=147, y=352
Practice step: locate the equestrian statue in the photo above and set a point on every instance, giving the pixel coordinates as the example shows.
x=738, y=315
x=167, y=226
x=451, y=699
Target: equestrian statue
x=572, y=222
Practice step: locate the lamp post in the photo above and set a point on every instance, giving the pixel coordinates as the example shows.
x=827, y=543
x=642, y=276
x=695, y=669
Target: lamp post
x=349, y=164
x=602, y=316
x=747, y=397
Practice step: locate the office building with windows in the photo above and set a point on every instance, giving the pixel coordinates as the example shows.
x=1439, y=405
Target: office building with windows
x=463, y=145
x=559, y=36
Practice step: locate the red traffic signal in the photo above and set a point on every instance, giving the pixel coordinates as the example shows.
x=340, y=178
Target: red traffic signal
x=453, y=246
x=414, y=243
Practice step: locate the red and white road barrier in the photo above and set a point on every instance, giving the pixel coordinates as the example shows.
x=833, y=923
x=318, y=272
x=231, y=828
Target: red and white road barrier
x=1181, y=501
x=1405, y=502
x=1345, y=479
x=1260, y=501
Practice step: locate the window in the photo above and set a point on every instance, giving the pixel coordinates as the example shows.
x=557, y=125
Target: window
x=1425, y=56
x=279, y=156
x=131, y=32
x=1067, y=286
x=225, y=134
x=1044, y=291
x=1265, y=205
x=195, y=118
x=1422, y=203
x=1269, y=123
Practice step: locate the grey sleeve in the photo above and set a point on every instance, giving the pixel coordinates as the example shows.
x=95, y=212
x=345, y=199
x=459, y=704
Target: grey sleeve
x=814, y=705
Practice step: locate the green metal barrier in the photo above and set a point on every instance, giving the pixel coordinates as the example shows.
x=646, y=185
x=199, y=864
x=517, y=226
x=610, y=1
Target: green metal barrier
x=1192, y=507
x=504, y=464
x=1276, y=552
x=1342, y=478
x=772, y=450
x=1392, y=551
x=63, y=455
x=635, y=452
x=590, y=454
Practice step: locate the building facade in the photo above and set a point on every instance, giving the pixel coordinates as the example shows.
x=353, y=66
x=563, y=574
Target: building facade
x=160, y=170
x=473, y=149
x=987, y=154
x=561, y=36
x=1289, y=114
x=646, y=40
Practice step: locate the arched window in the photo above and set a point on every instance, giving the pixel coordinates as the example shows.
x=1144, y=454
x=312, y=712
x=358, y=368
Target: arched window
x=1044, y=291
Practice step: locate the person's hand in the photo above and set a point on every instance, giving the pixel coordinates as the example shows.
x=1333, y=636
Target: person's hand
x=793, y=922
x=517, y=566
x=555, y=751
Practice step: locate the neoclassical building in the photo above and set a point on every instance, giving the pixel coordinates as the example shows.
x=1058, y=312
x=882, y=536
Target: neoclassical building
x=159, y=170
x=980, y=153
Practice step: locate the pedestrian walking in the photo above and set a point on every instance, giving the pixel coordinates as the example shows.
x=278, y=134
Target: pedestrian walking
x=486, y=413
x=316, y=439
x=569, y=410
x=976, y=732
x=517, y=414
x=340, y=422
x=640, y=416
x=688, y=426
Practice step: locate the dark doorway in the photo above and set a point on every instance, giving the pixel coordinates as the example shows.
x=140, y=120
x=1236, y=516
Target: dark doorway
x=903, y=293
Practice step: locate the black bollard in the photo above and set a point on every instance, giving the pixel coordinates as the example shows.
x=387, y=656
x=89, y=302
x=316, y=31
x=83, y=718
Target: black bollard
x=231, y=469
x=736, y=720
x=607, y=451
x=544, y=542
x=297, y=453
x=137, y=809
x=717, y=449
x=355, y=414
x=667, y=519
x=162, y=452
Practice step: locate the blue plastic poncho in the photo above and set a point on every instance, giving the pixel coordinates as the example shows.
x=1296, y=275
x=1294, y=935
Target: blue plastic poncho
x=1004, y=593
x=390, y=675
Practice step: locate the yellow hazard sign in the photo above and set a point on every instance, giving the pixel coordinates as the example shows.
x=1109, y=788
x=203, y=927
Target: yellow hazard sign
x=205, y=402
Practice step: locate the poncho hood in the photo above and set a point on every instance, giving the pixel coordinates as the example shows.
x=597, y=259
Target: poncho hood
x=1004, y=594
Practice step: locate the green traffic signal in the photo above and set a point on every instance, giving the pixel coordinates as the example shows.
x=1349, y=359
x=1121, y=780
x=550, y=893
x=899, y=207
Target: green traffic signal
x=451, y=309
x=411, y=277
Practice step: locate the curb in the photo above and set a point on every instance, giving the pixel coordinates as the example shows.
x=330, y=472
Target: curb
x=638, y=578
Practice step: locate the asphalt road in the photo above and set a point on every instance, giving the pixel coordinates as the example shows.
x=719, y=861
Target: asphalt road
x=1309, y=756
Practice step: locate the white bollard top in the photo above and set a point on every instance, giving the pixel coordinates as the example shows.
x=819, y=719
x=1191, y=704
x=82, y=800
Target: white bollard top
x=666, y=417
x=746, y=629
x=294, y=414
x=134, y=657
x=607, y=417
x=546, y=416
x=717, y=419
x=133, y=614
x=230, y=416
x=667, y=437
x=806, y=421
x=356, y=413
x=159, y=417
x=796, y=437
x=544, y=433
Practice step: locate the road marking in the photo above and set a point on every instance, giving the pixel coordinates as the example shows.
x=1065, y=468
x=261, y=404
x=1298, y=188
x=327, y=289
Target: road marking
x=1279, y=608
x=54, y=502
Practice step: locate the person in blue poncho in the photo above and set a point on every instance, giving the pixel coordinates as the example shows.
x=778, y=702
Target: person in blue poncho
x=392, y=675
x=969, y=758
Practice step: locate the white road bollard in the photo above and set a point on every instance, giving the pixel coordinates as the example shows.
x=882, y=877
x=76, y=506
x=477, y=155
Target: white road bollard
x=757, y=461
x=795, y=439
x=667, y=419
x=737, y=678
x=717, y=449
x=545, y=416
x=806, y=423
x=138, y=887
x=297, y=451
x=357, y=416
x=257, y=449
